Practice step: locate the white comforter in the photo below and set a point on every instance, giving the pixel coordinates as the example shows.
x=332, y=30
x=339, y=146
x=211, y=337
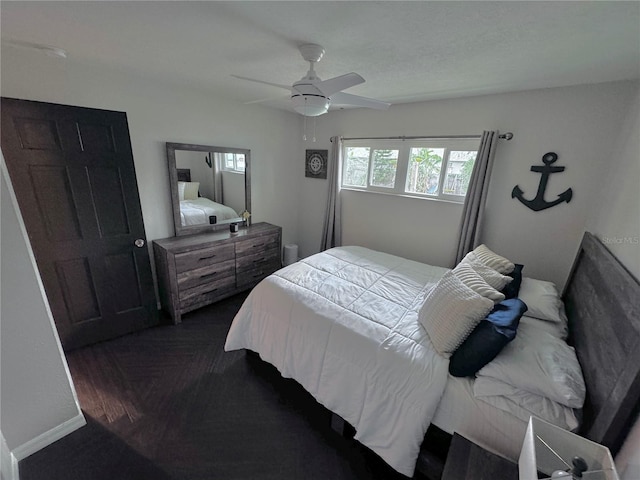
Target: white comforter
x=197, y=211
x=344, y=324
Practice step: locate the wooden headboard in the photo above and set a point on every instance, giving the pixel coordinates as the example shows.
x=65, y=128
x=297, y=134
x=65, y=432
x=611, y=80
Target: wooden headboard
x=184, y=174
x=602, y=301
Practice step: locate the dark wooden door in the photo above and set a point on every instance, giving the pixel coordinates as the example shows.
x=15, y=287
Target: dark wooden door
x=73, y=174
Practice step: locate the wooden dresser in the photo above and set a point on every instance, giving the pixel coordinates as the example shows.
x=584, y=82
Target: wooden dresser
x=197, y=270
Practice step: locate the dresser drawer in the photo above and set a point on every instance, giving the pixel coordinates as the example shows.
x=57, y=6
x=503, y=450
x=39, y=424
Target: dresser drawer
x=196, y=270
x=218, y=286
x=248, y=278
x=258, y=244
x=205, y=275
x=203, y=257
x=207, y=298
x=257, y=259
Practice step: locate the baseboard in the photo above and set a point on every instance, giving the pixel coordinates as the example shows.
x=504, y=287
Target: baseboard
x=47, y=438
x=9, y=469
x=12, y=472
x=8, y=463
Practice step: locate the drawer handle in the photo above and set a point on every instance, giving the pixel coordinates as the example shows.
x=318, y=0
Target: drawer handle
x=261, y=274
x=258, y=245
x=207, y=258
x=208, y=275
x=260, y=260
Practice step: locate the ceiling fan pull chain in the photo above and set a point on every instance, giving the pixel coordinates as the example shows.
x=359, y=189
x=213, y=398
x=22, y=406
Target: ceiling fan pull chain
x=314, y=129
x=304, y=135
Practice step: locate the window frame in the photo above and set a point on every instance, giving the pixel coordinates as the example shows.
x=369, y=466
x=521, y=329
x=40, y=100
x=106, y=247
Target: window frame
x=234, y=169
x=404, y=147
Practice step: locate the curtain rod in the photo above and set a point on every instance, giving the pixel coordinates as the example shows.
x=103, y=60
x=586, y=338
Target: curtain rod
x=505, y=136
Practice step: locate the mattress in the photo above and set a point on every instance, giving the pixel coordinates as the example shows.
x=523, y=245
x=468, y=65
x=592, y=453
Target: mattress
x=198, y=211
x=493, y=429
x=344, y=324
x=494, y=417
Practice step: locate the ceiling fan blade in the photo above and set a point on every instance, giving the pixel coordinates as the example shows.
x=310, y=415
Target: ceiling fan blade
x=337, y=84
x=279, y=97
x=342, y=98
x=287, y=87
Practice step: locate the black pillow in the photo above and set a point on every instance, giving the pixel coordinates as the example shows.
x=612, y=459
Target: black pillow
x=489, y=338
x=513, y=287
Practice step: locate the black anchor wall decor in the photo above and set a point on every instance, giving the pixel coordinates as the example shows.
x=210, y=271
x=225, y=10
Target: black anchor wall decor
x=538, y=202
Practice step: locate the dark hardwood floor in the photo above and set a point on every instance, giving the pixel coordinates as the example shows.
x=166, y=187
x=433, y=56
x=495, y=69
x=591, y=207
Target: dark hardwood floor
x=169, y=404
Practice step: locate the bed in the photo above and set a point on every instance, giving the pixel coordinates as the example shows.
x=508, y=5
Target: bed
x=196, y=211
x=381, y=368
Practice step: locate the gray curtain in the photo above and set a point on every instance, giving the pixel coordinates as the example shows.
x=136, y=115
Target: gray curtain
x=473, y=211
x=332, y=228
x=217, y=177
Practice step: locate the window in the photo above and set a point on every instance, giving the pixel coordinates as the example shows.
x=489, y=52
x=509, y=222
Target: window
x=429, y=168
x=233, y=162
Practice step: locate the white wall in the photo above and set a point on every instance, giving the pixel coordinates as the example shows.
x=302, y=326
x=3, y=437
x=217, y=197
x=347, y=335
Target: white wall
x=232, y=183
x=200, y=171
x=159, y=113
x=615, y=218
x=579, y=123
x=39, y=403
x=36, y=394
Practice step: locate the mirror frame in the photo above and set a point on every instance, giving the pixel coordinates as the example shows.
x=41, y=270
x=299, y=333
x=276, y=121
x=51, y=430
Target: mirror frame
x=173, y=184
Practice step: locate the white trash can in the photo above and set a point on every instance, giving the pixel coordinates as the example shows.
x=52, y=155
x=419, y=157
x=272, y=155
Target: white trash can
x=290, y=254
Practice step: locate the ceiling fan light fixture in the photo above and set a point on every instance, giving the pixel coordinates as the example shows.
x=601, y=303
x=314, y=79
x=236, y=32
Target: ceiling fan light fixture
x=311, y=96
x=310, y=105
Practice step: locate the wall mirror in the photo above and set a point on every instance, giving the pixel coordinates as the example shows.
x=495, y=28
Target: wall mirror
x=210, y=186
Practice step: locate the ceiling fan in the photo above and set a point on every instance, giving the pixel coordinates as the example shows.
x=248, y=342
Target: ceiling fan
x=312, y=96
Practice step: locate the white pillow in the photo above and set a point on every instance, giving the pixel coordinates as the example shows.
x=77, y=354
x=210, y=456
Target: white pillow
x=450, y=313
x=557, y=329
x=181, y=191
x=493, y=260
x=542, y=298
x=491, y=276
x=542, y=364
x=523, y=404
x=472, y=279
x=191, y=190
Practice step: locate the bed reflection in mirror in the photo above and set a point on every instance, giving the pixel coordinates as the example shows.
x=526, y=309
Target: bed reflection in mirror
x=209, y=186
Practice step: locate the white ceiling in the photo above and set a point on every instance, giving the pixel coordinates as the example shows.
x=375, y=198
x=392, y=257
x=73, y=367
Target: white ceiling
x=406, y=51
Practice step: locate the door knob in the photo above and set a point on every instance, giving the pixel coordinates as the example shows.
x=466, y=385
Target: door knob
x=139, y=242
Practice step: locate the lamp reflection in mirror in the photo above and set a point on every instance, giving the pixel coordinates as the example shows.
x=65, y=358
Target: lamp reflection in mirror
x=550, y=452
